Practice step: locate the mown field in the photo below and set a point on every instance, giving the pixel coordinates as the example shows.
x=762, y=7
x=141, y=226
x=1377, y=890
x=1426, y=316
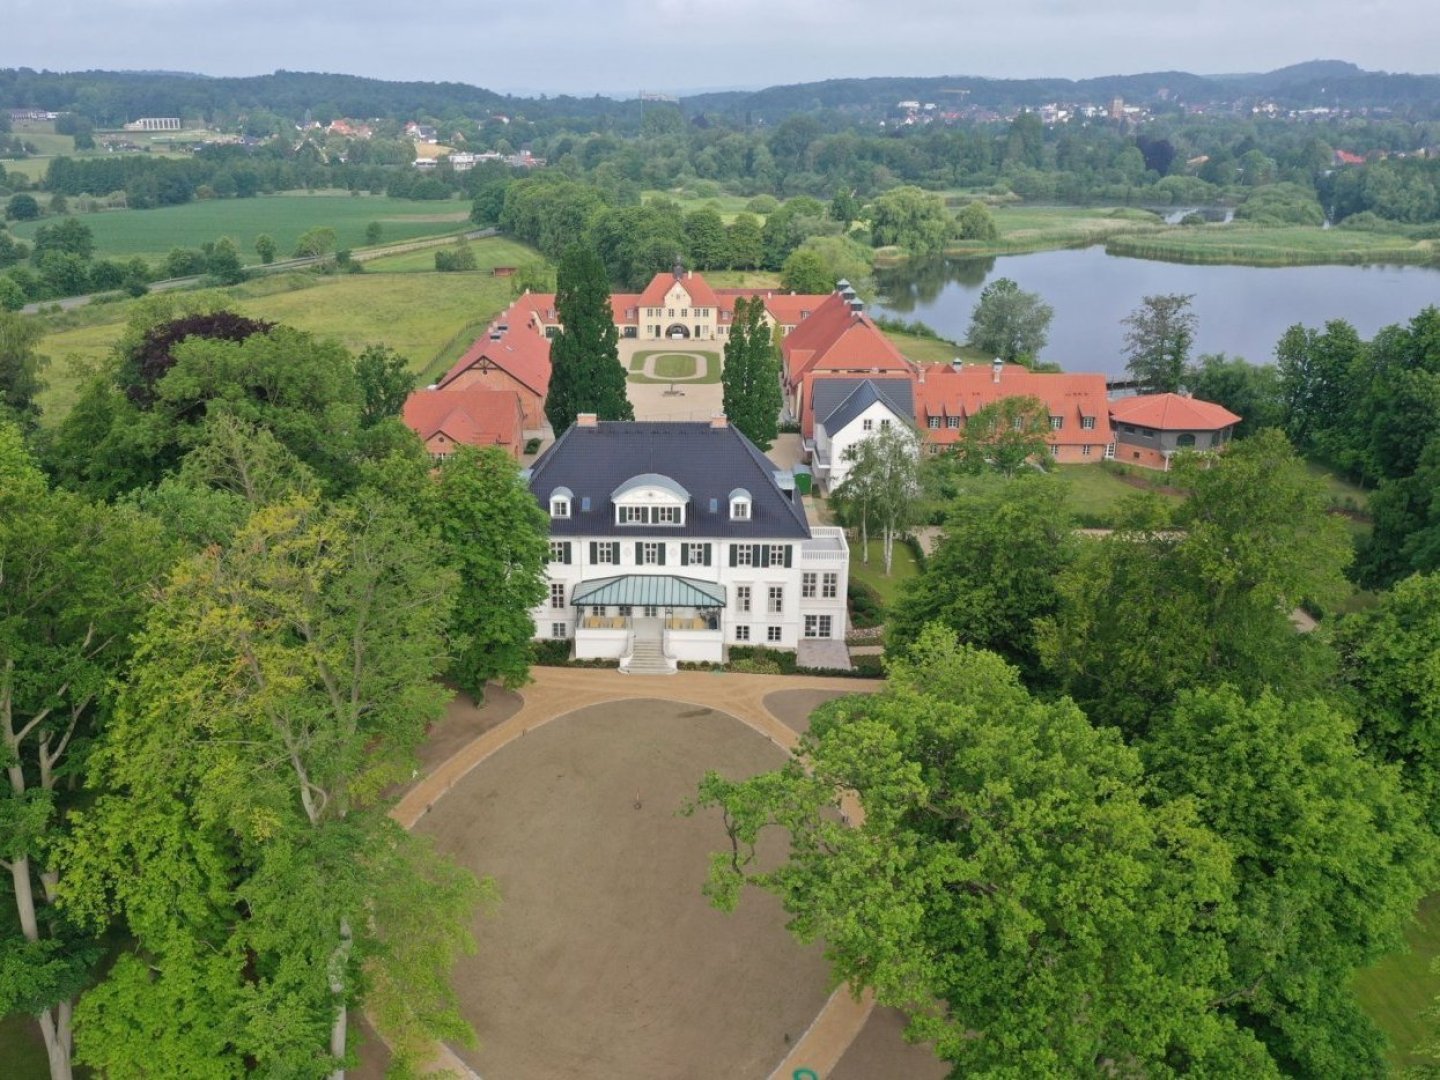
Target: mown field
x=152, y=233
x=490, y=252
x=928, y=350
x=428, y=318
x=1398, y=991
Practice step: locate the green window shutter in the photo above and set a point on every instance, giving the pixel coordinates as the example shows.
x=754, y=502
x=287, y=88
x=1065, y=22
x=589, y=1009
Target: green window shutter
x=762, y=553
x=707, y=554
x=594, y=552
x=569, y=552
x=684, y=554
x=734, y=548
x=789, y=557
x=639, y=553
x=661, y=553
x=615, y=552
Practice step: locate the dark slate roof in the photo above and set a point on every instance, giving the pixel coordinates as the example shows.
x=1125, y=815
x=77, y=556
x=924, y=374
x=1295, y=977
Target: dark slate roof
x=708, y=462
x=839, y=401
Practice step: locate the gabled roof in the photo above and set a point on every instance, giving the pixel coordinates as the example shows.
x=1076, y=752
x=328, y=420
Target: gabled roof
x=470, y=417
x=945, y=391
x=1171, y=412
x=705, y=460
x=835, y=337
x=698, y=289
x=855, y=396
x=522, y=350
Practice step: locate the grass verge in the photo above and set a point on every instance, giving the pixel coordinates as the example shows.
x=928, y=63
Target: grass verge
x=903, y=568
x=662, y=356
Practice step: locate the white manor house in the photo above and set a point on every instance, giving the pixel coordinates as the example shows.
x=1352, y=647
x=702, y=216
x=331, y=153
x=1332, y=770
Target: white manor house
x=671, y=540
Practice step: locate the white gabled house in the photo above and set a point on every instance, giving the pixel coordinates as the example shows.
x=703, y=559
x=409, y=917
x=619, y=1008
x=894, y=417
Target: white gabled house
x=848, y=411
x=671, y=540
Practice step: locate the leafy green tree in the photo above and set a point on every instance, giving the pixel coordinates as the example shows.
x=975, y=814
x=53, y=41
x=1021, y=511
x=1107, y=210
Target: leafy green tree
x=745, y=242
x=1158, y=335
x=882, y=484
x=316, y=241
x=1250, y=391
x=459, y=257
x=1406, y=536
x=279, y=689
x=1009, y=867
x=1331, y=858
x=373, y=232
x=1009, y=322
x=805, y=272
x=585, y=371
x=69, y=235
x=637, y=242
x=76, y=584
x=913, y=219
x=266, y=248
x=12, y=297
x=1316, y=386
x=385, y=382
x=994, y=571
x=789, y=226
x=750, y=377
x=1160, y=607
x=844, y=207
x=975, y=222
x=498, y=539
x=20, y=369
x=223, y=263
x=705, y=239
x=22, y=207
x=1006, y=436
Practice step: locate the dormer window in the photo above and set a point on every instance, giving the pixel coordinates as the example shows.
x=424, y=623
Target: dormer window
x=560, y=500
x=739, y=505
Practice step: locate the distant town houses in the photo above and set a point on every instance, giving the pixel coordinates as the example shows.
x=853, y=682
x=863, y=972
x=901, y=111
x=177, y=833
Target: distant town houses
x=463, y=162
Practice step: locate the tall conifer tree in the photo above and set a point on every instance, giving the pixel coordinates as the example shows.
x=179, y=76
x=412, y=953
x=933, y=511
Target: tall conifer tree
x=751, y=378
x=585, y=371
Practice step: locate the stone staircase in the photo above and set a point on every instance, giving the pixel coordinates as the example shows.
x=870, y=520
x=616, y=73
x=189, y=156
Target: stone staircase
x=647, y=653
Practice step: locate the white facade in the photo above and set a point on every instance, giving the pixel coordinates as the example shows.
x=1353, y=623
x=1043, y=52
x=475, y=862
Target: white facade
x=831, y=466
x=776, y=593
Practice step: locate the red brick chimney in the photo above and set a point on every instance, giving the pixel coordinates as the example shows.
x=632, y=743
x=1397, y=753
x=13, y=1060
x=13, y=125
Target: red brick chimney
x=586, y=419
x=719, y=420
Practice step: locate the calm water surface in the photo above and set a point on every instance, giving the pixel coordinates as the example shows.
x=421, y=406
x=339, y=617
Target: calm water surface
x=1242, y=310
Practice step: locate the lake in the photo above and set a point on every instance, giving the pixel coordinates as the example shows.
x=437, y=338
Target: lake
x=1242, y=310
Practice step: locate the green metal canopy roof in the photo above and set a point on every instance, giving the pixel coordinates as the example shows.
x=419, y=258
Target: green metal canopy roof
x=657, y=590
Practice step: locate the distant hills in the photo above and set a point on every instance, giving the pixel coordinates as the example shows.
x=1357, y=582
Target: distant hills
x=112, y=97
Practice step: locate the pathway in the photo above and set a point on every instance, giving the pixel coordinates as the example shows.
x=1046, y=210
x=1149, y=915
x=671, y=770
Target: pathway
x=559, y=691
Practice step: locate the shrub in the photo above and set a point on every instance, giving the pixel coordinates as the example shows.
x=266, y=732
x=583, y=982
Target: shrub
x=532, y=446
x=550, y=653
x=866, y=607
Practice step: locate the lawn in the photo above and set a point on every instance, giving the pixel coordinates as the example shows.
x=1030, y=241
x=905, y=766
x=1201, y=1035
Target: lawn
x=671, y=365
x=490, y=252
x=903, y=567
x=429, y=318
x=152, y=233
x=743, y=279
x=928, y=350
x=1397, y=991
x=21, y=1049
x=1093, y=493
x=1257, y=245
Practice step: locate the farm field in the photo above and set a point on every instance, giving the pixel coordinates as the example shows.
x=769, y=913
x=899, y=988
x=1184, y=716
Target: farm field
x=423, y=317
x=490, y=252
x=152, y=233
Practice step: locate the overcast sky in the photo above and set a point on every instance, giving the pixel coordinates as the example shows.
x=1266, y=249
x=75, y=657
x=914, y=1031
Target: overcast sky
x=620, y=46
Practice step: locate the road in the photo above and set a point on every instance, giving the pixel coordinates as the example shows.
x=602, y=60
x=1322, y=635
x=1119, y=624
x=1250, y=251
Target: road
x=281, y=266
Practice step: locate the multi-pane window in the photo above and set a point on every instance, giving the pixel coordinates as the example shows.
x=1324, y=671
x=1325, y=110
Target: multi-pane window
x=1056, y=423
x=649, y=554
x=934, y=423
x=695, y=555
x=884, y=423
x=1087, y=423
x=742, y=598
x=772, y=633
x=777, y=599
x=867, y=424
x=817, y=626
x=1110, y=451
x=559, y=508
x=830, y=586
x=1085, y=450
x=952, y=421
x=777, y=554
x=651, y=611
x=559, y=551
x=607, y=553
x=598, y=612
x=557, y=594
x=1055, y=450
x=624, y=610
x=742, y=633
x=808, y=583
x=665, y=515
x=740, y=511
x=744, y=555
x=559, y=630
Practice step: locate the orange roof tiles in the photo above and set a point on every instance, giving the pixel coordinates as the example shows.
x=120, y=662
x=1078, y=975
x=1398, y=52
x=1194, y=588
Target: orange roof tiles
x=522, y=350
x=1171, y=412
x=470, y=417
x=1077, y=398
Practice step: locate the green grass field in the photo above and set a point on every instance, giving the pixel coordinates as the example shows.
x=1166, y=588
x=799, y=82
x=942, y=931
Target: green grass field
x=1397, y=991
x=903, y=567
x=743, y=279
x=1093, y=494
x=490, y=252
x=926, y=350
x=430, y=319
x=1041, y=228
x=728, y=205
x=1256, y=245
x=152, y=233
x=668, y=366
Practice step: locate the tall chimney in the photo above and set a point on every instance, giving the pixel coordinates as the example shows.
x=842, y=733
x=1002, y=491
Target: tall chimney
x=586, y=419
x=719, y=420
x=995, y=369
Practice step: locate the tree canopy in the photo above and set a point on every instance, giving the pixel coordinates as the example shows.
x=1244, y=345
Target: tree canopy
x=586, y=375
x=1158, y=335
x=1009, y=322
x=750, y=378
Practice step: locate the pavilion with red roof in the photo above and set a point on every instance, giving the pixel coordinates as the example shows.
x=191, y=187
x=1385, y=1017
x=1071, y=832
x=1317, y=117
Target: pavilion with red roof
x=1150, y=428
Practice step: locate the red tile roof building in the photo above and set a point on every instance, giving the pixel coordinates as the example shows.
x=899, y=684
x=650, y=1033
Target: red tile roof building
x=946, y=396
x=445, y=419
x=513, y=355
x=1150, y=428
